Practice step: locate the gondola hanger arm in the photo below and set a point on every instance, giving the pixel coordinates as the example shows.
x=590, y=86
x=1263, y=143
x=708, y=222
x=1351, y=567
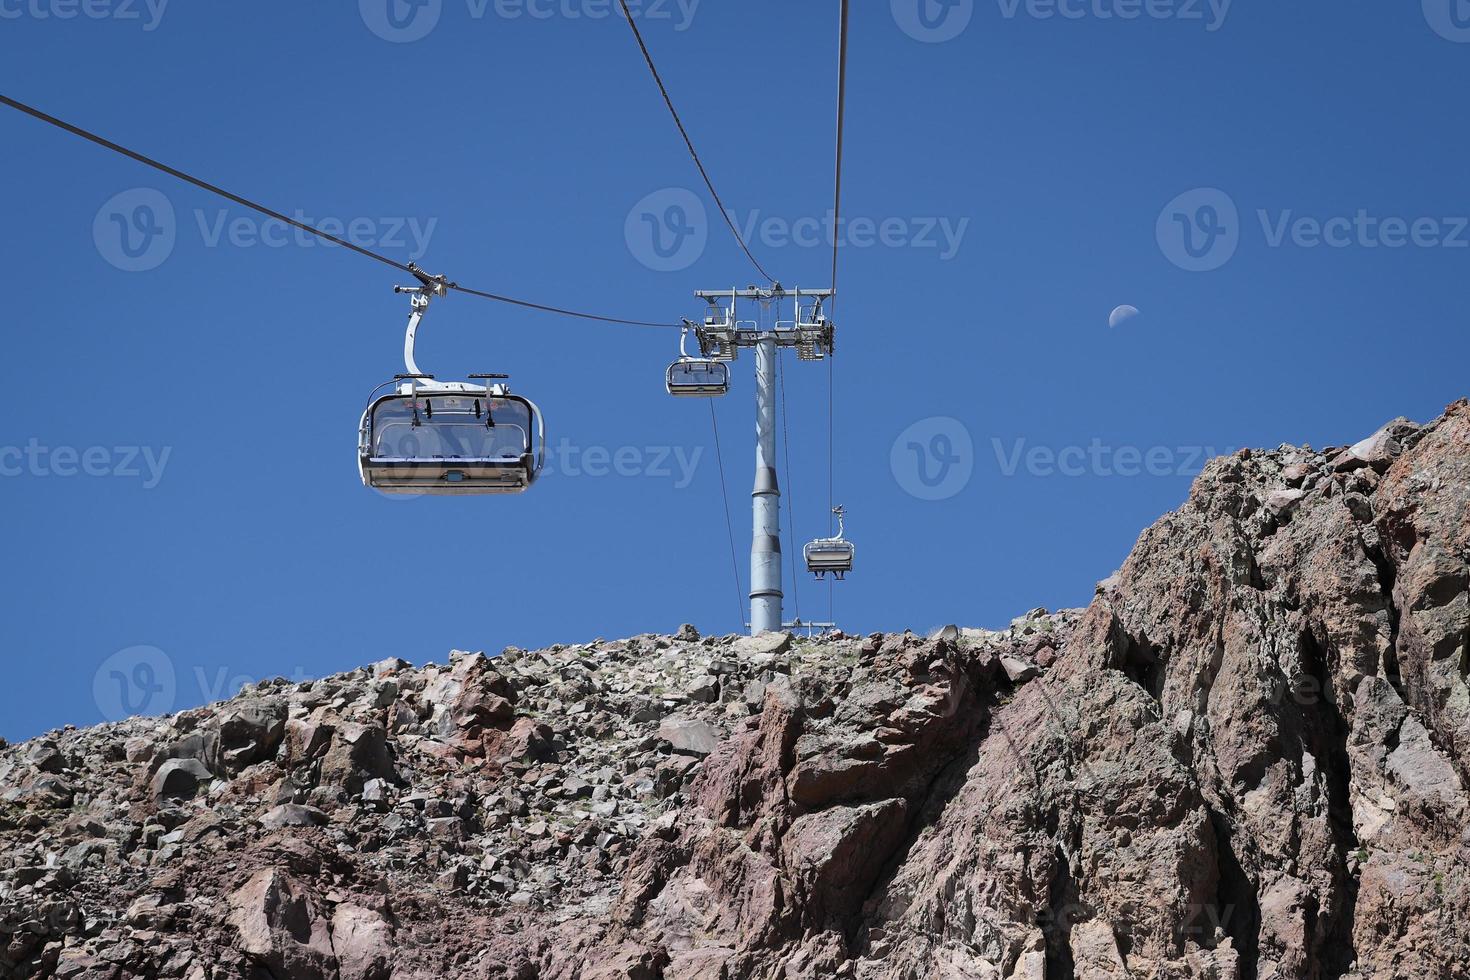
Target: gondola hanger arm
x=419, y=296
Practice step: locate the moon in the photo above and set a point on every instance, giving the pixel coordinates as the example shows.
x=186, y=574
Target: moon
x=1122, y=315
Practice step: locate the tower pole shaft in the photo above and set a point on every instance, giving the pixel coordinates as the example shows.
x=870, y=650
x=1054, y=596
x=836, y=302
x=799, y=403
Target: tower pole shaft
x=765, y=547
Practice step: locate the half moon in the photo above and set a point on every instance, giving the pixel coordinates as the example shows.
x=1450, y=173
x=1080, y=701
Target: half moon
x=1122, y=315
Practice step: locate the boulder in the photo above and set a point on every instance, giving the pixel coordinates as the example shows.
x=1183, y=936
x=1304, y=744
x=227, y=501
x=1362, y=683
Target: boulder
x=282, y=928
x=179, y=779
x=529, y=739
x=358, y=753
x=363, y=940
x=293, y=815
x=688, y=737
x=1384, y=446
x=250, y=731
x=765, y=645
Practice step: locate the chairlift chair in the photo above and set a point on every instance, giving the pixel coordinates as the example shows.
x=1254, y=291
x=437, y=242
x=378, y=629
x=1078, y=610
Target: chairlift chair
x=831, y=555
x=447, y=438
x=696, y=377
x=717, y=333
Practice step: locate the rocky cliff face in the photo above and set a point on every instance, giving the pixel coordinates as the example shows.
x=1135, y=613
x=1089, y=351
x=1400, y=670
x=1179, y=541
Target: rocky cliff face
x=1247, y=758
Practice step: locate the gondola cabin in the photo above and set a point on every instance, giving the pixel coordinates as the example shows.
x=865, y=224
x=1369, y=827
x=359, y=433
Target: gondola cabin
x=451, y=439
x=698, y=378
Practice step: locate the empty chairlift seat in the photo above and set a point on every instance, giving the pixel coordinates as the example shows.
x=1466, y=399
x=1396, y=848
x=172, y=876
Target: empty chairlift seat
x=832, y=555
x=458, y=441
x=698, y=378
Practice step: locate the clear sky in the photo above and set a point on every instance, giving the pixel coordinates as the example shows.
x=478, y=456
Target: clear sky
x=1278, y=188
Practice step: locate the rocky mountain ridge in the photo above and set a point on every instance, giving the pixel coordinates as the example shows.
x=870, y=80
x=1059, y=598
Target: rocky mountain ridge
x=1248, y=757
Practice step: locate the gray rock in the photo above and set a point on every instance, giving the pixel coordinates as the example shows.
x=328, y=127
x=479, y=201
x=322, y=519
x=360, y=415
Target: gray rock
x=1283, y=502
x=705, y=689
x=251, y=732
x=45, y=757
x=767, y=644
x=1018, y=671
x=293, y=815
x=689, y=737
x=1384, y=446
x=180, y=779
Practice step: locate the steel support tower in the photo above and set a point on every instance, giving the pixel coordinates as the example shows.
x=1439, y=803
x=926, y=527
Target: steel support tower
x=721, y=336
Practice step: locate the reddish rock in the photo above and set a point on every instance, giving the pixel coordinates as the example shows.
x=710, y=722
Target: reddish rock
x=282, y=928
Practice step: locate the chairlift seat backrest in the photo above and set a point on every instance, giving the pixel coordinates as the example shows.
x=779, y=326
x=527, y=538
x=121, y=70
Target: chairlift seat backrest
x=833, y=555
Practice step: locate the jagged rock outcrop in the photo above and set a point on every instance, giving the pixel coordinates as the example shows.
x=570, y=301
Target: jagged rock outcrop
x=1249, y=757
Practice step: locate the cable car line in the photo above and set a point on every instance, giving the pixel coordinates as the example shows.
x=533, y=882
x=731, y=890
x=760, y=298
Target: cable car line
x=729, y=524
x=836, y=249
x=559, y=311
x=790, y=485
x=841, y=128
x=668, y=101
x=271, y=213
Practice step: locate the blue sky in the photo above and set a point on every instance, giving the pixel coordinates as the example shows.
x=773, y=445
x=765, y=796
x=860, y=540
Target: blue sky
x=1278, y=188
